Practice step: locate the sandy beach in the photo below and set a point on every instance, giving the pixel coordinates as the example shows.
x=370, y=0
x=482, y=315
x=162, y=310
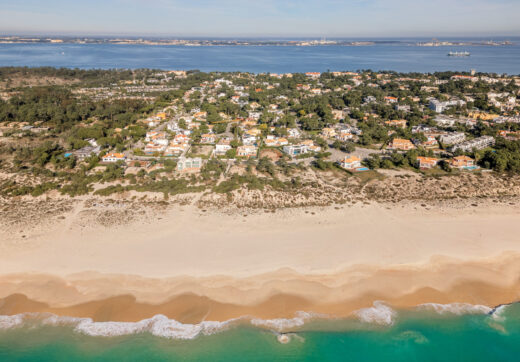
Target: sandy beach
x=192, y=264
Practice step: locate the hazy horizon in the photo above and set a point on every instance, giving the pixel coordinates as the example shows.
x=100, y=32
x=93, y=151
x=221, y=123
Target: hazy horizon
x=270, y=18
x=260, y=37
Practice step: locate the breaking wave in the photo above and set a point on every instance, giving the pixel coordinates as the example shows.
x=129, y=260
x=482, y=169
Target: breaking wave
x=158, y=325
x=283, y=324
x=498, y=313
x=379, y=313
x=456, y=308
x=382, y=314
x=7, y=321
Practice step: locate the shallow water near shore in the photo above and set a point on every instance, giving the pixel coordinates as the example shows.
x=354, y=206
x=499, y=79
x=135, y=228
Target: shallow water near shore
x=426, y=333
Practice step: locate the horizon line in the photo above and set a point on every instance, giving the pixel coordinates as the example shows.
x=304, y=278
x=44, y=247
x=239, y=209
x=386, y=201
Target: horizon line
x=264, y=36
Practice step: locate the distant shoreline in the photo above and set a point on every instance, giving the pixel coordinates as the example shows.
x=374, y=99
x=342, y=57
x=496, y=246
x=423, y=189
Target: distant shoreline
x=245, y=42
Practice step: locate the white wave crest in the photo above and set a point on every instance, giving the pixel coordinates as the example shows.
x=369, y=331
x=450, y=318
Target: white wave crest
x=379, y=313
x=456, y=308
x=158, y=325
x=10, y=321
x=283, y=324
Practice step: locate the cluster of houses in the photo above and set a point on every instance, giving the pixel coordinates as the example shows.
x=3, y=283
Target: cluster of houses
x=159, y=143
x=171, y=131
x=458, y=162
x=154, y=120
x=341, y=132
x=457, y=140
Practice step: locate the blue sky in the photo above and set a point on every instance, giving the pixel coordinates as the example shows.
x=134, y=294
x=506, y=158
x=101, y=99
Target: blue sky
x=243, y=18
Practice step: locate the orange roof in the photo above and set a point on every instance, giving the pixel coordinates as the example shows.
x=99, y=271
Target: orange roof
x=401, y=141
x=115, y=155
x=431, y=160
x=351, y=159
x=463, y=158
x=396, y=121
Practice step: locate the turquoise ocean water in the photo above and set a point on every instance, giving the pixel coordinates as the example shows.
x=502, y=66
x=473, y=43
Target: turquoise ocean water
x=418, y=335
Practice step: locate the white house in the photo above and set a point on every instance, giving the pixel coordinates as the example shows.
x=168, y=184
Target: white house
x=440, y=107
x=222, y=147
x=295, y=150
x=452, y=138
x=248, y=139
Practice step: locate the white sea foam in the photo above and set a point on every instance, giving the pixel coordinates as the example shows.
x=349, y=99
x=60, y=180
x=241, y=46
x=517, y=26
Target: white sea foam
x=456, y=308
x=379, y=313
x=111, y=329
x=283, y=324
x=498, y=313
x=54, y=320
x=158, y=325
x=8, y=321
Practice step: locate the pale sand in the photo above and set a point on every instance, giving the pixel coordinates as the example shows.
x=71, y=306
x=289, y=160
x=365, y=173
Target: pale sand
x=192, y=265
